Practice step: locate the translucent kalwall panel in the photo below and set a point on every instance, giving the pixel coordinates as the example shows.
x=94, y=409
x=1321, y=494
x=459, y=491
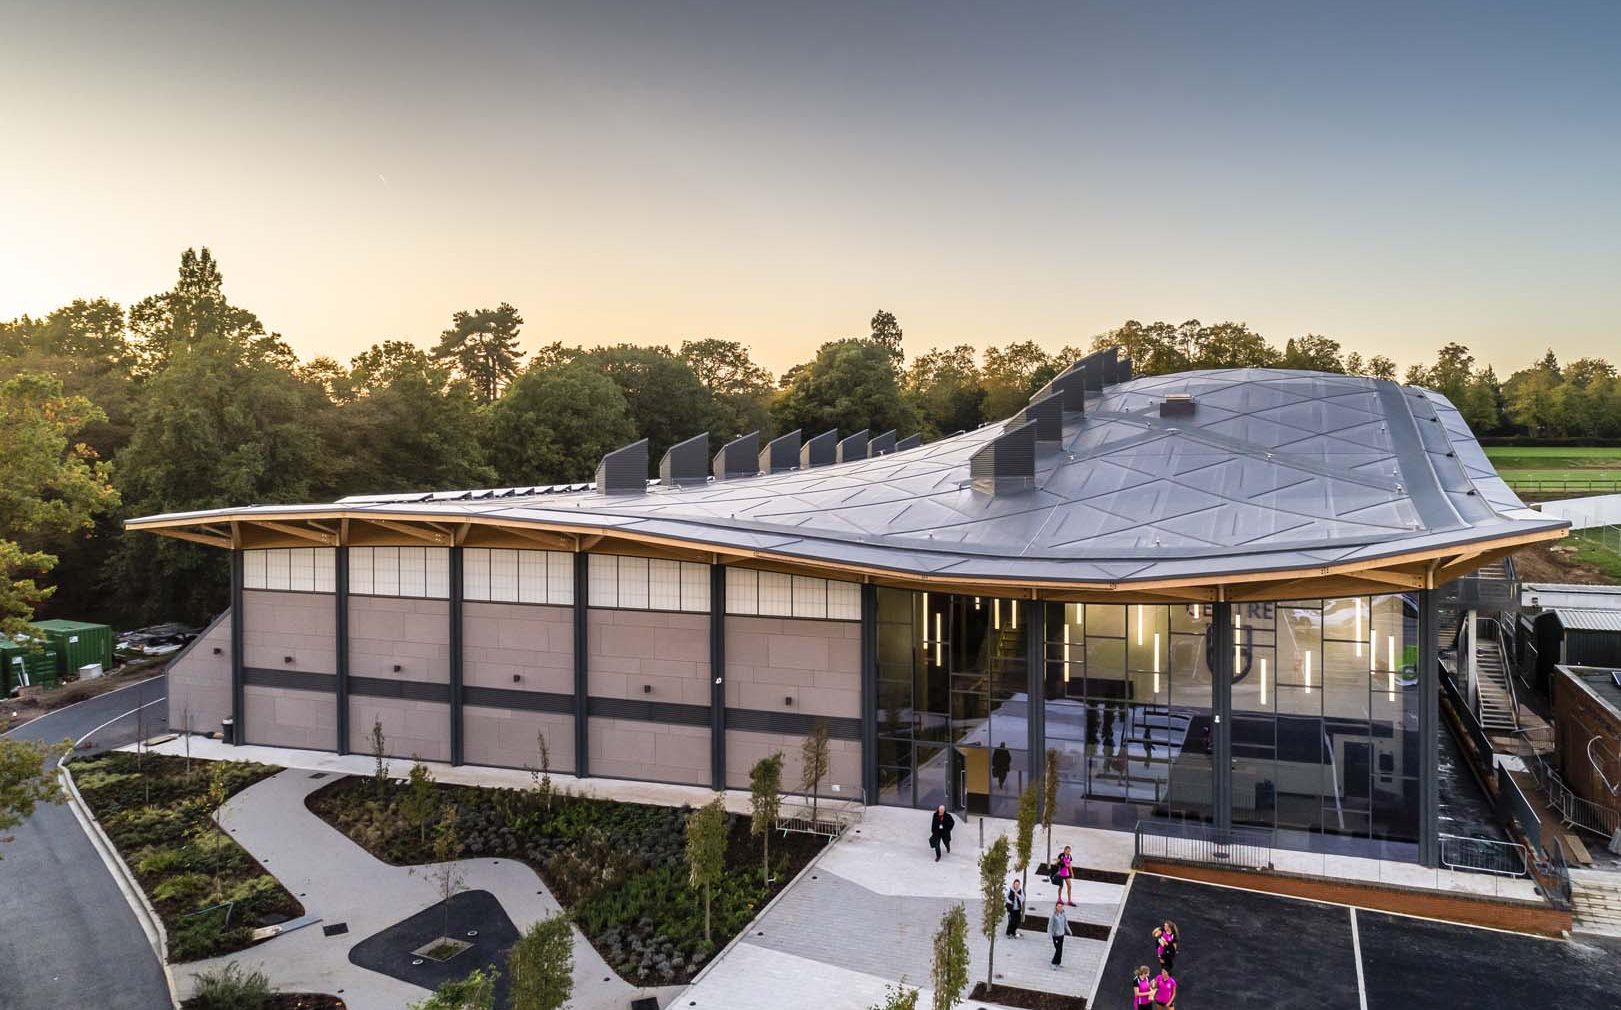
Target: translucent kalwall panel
x=413, y=571
x=386, y=571
x=809, y=597
x=604, y=581
x=695, y=587
x=633, y=583
x=559, y=578
x=742, y=591
x=531, y=576
x=664, y=585
x=300, y=571
x=843, y=601
x=504, y=576
x=476, y=573
x=326, y=563
x=253, y=570
x=277, y=568
x=361, y=571
x=437, y=581
x=776, y=594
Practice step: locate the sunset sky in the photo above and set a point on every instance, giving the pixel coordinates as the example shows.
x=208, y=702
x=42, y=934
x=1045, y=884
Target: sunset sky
x=1393, y=175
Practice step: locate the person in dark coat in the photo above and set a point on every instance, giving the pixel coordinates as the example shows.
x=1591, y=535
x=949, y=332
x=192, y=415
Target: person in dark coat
x=1014, y=901
x=940, y=830
x=1001, y=764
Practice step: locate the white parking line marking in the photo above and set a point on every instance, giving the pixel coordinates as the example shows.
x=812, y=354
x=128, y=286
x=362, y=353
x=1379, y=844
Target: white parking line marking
x=1356, y=948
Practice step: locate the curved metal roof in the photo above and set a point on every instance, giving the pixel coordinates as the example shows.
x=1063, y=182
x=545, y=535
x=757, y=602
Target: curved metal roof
x=1273, y=470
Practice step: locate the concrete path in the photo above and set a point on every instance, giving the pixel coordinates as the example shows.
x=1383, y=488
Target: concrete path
x=341, y=882
x=864, y=918
x=63, y=921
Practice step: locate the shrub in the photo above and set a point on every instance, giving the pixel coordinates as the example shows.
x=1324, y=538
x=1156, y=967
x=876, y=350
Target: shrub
x=230, y=988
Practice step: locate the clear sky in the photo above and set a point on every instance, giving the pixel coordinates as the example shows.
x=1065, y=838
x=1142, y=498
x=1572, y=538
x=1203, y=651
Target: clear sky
x=1395, y=175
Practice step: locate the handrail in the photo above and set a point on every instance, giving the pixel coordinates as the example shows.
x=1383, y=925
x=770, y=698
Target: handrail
x=1508, y=670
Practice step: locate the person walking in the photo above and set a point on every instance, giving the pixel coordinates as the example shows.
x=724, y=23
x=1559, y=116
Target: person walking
x=1001, y=764
x=1065, y=877
x=940, y=830
x=1165, y=944
x=1164, y=990
x=1142, y=989
x=1057, y=929
x=1015, y=908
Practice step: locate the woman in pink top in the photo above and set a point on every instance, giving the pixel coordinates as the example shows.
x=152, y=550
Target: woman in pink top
x=1142, y=989
x=1164, y=989
x=1066, y=867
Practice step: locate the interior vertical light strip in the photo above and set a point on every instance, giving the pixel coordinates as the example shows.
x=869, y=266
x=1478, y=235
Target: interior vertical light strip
x=1156, y=663
x=1066, y=642
x=1139, y=624
x=1308, y=671
x=1196, y=611
x=923, y=630
x=1356, y=602
x=1390, y=650
x=1013, y=614
x=1263, y=681
x=1238, y=647
x=939, y=637
x=996, y=614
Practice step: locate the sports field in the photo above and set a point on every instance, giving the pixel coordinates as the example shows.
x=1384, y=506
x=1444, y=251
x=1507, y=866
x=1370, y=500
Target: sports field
x=1558, y=470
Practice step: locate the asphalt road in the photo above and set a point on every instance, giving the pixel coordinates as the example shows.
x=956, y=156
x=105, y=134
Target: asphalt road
x=67, y=937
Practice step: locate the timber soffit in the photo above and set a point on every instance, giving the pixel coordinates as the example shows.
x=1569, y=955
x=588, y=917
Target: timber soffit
x=1276, y=472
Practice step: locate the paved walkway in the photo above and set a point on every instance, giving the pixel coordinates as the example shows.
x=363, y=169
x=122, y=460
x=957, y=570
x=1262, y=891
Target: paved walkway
x=864, y=917
x=341, y=882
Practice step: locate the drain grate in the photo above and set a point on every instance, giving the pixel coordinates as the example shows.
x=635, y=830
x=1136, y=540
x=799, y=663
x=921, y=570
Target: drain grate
x=336, y=929
x=318, y=775
x=646, y=1003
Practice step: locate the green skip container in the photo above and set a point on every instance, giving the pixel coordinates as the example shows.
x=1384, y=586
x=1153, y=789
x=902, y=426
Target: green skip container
x=23, y=665
x=79, y=644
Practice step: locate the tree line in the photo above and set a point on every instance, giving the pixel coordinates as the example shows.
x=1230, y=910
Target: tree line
x=185, y=401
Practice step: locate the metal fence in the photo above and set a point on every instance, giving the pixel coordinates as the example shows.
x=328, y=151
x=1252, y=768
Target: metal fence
x=1485, y=855
x=1607, y=537
x=1573, y=485
x=1192, y=842
x=1573, y=810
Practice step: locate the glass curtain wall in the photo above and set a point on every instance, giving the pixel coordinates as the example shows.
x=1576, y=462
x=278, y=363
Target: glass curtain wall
x=1325, y=719
x=952, y=701
x=1128, y=710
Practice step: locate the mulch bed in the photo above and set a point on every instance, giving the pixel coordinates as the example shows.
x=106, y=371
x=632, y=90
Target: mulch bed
x=1028, y=999
x=1084, y=930
x=1085, y=873
x=295, y=1001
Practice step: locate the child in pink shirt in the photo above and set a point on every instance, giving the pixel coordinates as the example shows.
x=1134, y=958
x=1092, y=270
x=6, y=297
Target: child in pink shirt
x=1142, y=989
x=1164, y=989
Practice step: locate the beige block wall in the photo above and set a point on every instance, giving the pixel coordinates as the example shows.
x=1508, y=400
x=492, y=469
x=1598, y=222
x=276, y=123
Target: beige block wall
x=301, y=625
x=409, y=727
x=744, y=748
x=633, y=648
x=284, y=717
x=817, y=663
x=505, y=640
x=200, y=682
x=505, y=738
x=384, y=631
x=656, y=752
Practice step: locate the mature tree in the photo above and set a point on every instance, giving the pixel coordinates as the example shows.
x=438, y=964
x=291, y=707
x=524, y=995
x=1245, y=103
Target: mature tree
x=195, y=313
x=552, y=355
x=1011, y=374
x=849, y=385
x=408, y=426
x=1231, y=345
x=483, y=346
x=765, y=801
x=541, y=965
x=993, y=871
x=50, y=486
x=1313, y=353
x=220, y=424
x=475, y=992
x=813, y=762
x=666, y=400
x=1381, y=367
x=27, y=779
x=886, y=331
x=554, y=424
x=947, y=389
x=950, y=968
x=706, y=851
x=83, y=344
x=1154, y=348
x=742, y=390
x=1025, y=829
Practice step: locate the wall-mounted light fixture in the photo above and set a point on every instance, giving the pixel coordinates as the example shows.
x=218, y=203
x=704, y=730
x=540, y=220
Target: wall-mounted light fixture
x=517, y=678
x=286, y=659
x=788, y=700
x=647, y=688
x=397, y=668
x=218, y=650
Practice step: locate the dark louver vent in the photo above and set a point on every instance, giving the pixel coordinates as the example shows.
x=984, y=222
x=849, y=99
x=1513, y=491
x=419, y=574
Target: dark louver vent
x=624, y=471
x=738, y=458
x=1176, y=405
x=852, y=447
x=1070, y=385
x=686, y=462
x=1007, y=463
x=882, y=445
x=911, y=441
x=1123, y=371
x=1047, y=413
x=781, y=453
x=820, y=450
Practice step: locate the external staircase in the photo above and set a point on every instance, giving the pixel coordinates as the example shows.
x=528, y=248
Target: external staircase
x=1498, y=709
x=1596, y=900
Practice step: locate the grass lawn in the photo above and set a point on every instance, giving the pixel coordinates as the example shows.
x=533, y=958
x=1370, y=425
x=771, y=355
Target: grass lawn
x=1590, y=551
x=1599, y=468
x=618, y=868
x=159, y=818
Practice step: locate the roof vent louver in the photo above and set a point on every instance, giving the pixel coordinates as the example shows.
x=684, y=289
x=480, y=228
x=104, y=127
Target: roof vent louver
x=1176, y=405
x=882, y=445
x=911, y=441
x=1070, y=385
x=1006, y=464
x=1123, y=370
x=1092, y=367
x=1109, y=358
x=781, y=453
x=686, y=462
x=1047, y=413
x=852, y=447
x=624, y=471
x=820, y=450
x=738, y=458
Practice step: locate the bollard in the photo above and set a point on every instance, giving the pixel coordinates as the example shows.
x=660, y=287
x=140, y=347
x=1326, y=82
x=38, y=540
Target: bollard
x=982, y=831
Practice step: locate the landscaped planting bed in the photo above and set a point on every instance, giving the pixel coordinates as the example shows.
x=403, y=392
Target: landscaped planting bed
x=160, y=819
x=618, y=868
